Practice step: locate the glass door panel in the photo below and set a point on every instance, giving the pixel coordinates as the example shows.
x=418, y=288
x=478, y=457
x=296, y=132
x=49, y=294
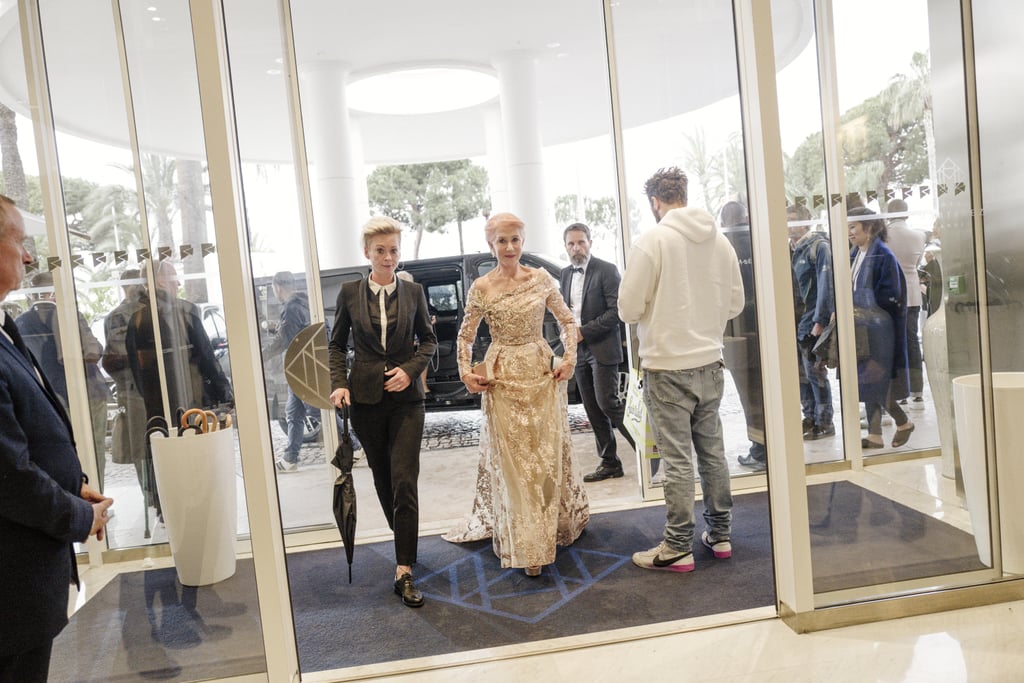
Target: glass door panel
x=903, y=158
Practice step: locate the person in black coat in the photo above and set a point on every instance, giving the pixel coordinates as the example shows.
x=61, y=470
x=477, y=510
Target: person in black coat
x=590, y=287
x=193, y=377
x=45, y=502
x=389, y=324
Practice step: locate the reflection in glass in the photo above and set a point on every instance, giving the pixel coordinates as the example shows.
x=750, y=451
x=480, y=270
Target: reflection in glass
x=697, y=125
x=896, y=185
x=808, y=231
x=817, y=340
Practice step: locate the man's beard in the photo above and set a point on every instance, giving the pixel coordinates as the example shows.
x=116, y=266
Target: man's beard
x=578, y=259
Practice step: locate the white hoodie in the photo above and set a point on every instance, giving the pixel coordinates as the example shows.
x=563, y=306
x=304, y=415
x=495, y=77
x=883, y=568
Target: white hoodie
x=682, y=284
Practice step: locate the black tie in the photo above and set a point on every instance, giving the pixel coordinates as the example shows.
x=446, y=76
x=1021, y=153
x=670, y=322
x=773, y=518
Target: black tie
x=12, y=331
x=577, y=269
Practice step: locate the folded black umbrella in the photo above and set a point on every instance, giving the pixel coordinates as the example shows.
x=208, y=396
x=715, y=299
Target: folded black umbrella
x=345, y=491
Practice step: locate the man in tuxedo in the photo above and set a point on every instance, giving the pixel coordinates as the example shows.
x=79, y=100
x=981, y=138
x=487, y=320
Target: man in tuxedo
x=590, y=287
x=45, y=501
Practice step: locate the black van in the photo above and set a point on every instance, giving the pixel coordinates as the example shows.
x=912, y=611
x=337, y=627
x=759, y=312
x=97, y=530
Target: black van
x=445, y=282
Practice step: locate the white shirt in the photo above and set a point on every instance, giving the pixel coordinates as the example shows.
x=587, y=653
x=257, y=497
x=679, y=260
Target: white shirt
x=383, y=292
x=576, y=291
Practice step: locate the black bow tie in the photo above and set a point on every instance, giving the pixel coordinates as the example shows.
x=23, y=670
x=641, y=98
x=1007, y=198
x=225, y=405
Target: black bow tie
x=577, y=269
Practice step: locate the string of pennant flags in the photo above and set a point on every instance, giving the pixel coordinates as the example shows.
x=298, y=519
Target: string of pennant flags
x=818, y=201
x=120, y=257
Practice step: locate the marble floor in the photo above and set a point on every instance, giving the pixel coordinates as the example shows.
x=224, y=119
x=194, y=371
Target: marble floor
x=973, y=644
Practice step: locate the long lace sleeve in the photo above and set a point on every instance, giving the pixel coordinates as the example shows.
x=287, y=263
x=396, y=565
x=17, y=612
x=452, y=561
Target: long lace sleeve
x=474, y=312
x=556, y=304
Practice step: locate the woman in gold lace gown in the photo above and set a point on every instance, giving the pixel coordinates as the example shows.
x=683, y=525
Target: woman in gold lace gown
x=530, y=495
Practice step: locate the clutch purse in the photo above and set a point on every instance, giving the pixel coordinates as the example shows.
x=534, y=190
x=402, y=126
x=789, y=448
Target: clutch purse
x=485, y=369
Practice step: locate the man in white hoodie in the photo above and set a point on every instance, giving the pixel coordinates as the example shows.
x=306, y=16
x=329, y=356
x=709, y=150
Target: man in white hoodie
x=682, y=284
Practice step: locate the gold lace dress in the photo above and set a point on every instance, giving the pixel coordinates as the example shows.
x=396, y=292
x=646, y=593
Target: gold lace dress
x=530, y=496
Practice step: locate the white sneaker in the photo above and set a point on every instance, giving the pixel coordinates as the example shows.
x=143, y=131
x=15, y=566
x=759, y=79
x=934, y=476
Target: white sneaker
x=721, y=549
x=283, y=466
x=663, y=558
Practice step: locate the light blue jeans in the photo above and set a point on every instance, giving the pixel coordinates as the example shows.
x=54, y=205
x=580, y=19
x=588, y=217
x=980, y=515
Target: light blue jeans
x=682, y=408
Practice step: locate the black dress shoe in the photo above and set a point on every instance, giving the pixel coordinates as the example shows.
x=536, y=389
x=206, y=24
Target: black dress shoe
x=411, y=596
x=603, y=472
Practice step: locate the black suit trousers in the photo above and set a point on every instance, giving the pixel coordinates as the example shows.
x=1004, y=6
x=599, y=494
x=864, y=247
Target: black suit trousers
x=391, y=432
x=30, y=666
x=598, y=385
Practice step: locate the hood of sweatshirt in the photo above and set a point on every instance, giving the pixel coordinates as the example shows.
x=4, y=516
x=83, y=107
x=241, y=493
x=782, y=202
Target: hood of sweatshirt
x=696, y=225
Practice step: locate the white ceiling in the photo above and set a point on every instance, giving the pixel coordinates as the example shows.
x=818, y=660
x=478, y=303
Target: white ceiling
x=674, y=56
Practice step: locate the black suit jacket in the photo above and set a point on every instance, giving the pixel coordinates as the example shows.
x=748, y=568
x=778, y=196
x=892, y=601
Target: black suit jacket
x=410, y=347
x=41, y=511
x=599, y=315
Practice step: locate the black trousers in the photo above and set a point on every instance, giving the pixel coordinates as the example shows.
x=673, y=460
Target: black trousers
x=598, y=385
x=391, y=432
x=31, y=666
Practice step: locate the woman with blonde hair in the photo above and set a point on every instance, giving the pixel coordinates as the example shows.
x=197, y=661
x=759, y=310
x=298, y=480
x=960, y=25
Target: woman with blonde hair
x=530, y=495
x=386, y=316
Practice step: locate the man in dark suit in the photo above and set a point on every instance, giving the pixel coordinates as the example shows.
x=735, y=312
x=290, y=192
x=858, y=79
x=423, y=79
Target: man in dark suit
x=590, y=287
x=45, y=502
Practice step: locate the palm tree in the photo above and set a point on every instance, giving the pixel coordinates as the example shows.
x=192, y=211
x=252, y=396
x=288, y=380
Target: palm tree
x=909, y=100
x=15, y=186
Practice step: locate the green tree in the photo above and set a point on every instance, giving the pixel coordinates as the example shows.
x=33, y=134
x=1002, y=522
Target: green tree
x=601, y=214
x=722, y=172
x=111, y=213
x=190, y=197
x=14, y=183
x=428, y=197
x=464, y=189
x=886, y=141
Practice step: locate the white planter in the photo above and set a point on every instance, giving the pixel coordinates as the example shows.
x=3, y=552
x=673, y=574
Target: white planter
x=1008, y=405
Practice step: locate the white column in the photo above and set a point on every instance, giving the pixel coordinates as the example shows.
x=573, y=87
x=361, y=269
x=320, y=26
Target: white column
x=497, y=164
x=335, y=167
x=517, y=94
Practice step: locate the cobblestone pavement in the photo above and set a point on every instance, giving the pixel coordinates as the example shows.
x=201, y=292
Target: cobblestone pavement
x=441, y=430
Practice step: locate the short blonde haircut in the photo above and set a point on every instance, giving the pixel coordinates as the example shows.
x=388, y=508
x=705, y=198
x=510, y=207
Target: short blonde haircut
x=500, y=219
x=379, y=226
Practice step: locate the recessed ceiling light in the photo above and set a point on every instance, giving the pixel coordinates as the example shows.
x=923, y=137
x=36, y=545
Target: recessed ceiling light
x=157, y=19
x=422, y=90
x=151, y=9
x=274, y=72
x=554, y=45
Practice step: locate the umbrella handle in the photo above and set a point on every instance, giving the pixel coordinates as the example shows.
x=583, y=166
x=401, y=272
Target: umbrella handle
x=186, y=420
x=344, y=419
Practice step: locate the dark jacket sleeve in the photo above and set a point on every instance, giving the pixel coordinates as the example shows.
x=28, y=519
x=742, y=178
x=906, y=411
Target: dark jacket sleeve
x=825, y=305
x=424, y=333
x=217, y=384
x=608, y=321
x=337, y=347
